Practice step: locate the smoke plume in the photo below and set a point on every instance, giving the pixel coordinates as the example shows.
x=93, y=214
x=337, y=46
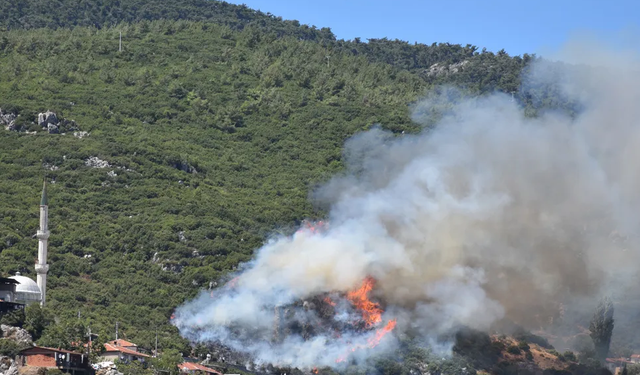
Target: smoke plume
x=488, y=215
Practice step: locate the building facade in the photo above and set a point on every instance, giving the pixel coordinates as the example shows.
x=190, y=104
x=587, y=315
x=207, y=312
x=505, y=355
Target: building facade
x=124, y=351
x=67, y=361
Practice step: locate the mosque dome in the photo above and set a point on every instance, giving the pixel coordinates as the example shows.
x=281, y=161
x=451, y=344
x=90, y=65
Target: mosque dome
x=27, y=291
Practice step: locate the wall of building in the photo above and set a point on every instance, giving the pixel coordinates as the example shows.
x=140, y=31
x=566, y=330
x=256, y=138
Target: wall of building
x=41, y=360
x=110, y=356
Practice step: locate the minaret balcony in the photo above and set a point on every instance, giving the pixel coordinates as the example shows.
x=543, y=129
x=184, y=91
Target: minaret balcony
x=42, y=235
x=42, y=269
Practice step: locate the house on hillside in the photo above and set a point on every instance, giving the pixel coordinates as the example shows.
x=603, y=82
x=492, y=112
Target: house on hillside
x=124, y=351
x=635, y=358
x=73, y=363
x=8, y=301
x=193, y=368
x=615, y=364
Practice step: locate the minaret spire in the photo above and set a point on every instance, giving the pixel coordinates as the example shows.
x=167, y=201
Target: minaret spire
x=43, y=237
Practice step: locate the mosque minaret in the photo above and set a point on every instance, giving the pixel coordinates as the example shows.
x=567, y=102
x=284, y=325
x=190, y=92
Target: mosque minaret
x=43, y=239
x=29, y=291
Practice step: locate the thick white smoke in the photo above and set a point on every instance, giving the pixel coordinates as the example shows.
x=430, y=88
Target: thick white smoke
x=488, y=215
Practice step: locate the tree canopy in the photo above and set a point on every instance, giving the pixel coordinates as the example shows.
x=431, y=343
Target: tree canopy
x=211, y=127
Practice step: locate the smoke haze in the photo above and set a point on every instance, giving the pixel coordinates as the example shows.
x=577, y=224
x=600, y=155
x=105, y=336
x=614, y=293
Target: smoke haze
x=488, y=215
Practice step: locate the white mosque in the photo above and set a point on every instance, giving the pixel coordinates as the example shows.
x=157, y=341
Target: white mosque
x=27, y=290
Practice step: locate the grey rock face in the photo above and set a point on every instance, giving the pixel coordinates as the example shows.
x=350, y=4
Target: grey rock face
x=95, y=162
x=19, y=335
x=8, y=120
x=8, y=366
x=53, y=129
x=46, y=118
x=439, y=69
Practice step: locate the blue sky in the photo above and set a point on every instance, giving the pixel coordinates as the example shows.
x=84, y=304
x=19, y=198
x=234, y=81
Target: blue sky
x=518, y=26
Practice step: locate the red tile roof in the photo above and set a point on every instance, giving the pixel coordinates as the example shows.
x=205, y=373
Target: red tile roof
x=190, y=366
x=635, y=356
x=112, y=348
x=618, y=360
x=121, y=342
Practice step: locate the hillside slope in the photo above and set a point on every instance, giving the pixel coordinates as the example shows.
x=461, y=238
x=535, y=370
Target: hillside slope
x=204, y=137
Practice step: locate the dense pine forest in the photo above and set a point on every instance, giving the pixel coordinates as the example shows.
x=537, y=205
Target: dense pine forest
x=182, y=153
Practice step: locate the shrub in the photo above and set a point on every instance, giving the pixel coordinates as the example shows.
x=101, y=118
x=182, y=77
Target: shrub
x=513, y=349
x=13, y=318
x=522, y=335
x=570, y=356
x=529, y=356
x=9, y=348
x=523, y=345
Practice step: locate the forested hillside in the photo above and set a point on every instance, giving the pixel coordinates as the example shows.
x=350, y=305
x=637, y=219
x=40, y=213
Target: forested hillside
x=204, y=135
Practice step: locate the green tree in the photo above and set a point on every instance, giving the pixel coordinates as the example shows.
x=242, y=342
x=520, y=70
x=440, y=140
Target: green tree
x=36, y=320
x=68, y=334
x=168, y=361
x=9, y=348
x=133, y=368
x=13, y=318
x=97, y=345
x=601, y=328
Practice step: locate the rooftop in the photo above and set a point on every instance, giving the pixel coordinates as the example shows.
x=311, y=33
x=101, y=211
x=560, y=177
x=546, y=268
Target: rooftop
x=26, y=285
x=113, y=348
x=618, y=360
x=121, y=342
x=190, y=366
x=44, y=348
x=8, y=280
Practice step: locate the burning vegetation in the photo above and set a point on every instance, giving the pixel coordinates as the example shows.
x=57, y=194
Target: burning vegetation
x=491, y=215
x=363, y=316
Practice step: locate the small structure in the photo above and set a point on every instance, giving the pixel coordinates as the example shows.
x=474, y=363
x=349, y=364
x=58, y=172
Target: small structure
x=8, y=301
x=616, y=364
x=43, y=239
x=7, y=289
x=27, y=290
x=192, y=368
x=635, y=358
x=122, y=350
x=67, y=361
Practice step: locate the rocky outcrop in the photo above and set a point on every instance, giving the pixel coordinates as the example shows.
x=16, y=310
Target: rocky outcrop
x=184, y=166
x=95, y=162
x=8, y=366
x=50, y=121
x=47, y=118
x=8, y=120
x=108, y=371
x=439, y=69
x=81, y=134
x=16, y=334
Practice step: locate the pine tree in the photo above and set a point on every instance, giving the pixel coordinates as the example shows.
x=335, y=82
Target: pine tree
x=601, y=328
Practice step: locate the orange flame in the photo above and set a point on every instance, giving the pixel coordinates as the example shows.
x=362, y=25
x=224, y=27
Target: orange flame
x=371, y=311
x=371, y=314
x=380, y=333
x=329, y=301
x=373, y=341
x=232, y=283
x=315, y=370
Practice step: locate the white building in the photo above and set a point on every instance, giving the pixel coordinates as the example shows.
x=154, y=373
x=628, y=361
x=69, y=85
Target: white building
x=28, y=291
